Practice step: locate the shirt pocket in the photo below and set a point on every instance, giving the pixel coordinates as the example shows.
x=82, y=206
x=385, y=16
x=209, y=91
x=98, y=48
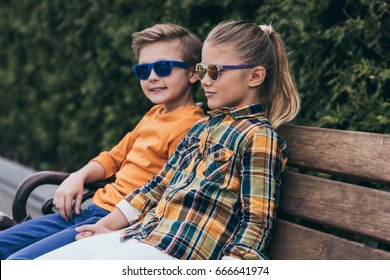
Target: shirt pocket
x=218, y=161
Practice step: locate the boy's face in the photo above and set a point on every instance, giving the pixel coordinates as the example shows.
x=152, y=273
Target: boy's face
x=174, y=90
x=232, y=89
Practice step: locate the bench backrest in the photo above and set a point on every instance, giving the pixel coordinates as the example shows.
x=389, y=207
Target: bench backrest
x=323, y=217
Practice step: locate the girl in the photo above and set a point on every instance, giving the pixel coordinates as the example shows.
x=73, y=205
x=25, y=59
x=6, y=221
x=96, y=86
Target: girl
x=217, y=195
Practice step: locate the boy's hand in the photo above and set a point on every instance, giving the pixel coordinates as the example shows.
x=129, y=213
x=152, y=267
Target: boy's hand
x=90, y=230
x=71, y=189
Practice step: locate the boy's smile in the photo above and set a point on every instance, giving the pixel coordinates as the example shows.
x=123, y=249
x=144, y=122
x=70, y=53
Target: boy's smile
x=157, y=89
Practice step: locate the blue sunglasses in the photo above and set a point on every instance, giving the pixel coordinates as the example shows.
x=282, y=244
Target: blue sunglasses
x=162, y=68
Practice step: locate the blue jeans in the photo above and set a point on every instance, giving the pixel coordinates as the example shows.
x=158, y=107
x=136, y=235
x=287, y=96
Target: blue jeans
x=31, y=239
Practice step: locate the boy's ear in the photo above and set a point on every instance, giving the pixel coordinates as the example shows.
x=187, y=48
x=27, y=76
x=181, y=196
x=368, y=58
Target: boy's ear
x=257, y=76
x=193, y=76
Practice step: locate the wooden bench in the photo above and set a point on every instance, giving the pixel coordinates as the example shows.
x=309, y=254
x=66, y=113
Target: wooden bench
x=320, y=217
x=323, y=217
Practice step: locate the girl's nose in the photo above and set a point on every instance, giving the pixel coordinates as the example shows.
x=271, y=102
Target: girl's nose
x=206, y=81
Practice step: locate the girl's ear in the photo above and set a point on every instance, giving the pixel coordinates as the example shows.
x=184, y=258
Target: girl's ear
x=257, y=76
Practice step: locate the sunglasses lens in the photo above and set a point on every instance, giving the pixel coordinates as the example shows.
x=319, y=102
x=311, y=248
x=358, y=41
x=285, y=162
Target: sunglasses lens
x=142, y=71
x=163, y=68
x=212, y=71
x=201, y=71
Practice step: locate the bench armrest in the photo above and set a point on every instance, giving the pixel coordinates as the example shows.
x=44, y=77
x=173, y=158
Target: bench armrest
x=32, y=182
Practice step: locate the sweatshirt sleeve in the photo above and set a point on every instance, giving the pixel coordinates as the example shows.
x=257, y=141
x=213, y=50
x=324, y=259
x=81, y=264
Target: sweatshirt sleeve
x=113, y=159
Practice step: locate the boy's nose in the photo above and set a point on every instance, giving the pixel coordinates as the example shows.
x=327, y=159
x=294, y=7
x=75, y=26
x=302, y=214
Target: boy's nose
x=153, y=76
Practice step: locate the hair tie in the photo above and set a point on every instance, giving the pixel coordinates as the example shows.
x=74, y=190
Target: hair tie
x=266, y=29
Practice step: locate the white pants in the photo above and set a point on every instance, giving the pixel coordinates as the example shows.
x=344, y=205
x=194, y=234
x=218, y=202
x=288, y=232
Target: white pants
x=106, y=247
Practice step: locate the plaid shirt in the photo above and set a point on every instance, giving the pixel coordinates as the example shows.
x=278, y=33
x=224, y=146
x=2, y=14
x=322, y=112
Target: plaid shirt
x=217, y=195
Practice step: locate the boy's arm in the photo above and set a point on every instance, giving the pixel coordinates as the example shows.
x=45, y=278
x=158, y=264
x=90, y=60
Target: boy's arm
x=101, y=167
x=72, y=188
x=262, y=164
x=113, y=159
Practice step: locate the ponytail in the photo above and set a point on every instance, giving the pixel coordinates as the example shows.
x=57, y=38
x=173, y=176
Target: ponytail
x=281, y=98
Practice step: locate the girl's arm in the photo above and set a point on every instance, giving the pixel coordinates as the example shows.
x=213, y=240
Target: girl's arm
x=262, y=163
x=116, y=220
x=147, y=197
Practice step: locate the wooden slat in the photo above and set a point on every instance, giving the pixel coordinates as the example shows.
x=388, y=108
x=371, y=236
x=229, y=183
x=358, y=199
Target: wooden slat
x=345, y=206
x=292, y=241
x=355, y=154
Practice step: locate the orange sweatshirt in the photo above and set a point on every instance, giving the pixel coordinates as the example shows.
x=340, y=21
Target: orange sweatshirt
x=142, y=152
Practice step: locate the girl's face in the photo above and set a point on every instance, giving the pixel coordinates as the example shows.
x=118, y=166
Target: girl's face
x=174, y=90
x=233, y=88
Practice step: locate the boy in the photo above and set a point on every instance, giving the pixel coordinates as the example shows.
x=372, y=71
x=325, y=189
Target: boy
x=167, y=77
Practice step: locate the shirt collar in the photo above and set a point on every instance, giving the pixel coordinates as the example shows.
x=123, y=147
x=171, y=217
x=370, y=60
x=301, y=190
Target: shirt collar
x=246, y=111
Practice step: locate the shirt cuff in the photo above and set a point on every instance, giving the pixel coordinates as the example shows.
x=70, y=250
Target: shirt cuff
x=129, y=211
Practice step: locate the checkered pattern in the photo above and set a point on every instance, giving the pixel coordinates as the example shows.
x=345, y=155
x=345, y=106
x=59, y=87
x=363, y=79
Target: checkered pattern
x=218, y=193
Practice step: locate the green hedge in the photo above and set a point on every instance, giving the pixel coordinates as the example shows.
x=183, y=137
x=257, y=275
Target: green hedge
x=67, y=90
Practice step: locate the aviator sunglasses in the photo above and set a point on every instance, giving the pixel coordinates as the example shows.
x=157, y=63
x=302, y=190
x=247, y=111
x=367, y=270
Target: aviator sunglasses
x=213, y=70
x=162, y=68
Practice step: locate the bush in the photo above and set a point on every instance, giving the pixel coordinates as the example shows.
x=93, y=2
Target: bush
x=67, y=90
x=340, y=58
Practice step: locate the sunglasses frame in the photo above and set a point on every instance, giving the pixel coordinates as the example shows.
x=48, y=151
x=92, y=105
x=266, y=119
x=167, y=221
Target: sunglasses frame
x=154, y=66
x=220, y=68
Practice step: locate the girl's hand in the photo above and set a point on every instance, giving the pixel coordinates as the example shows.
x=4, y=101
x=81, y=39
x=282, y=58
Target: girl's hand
x=90, y=230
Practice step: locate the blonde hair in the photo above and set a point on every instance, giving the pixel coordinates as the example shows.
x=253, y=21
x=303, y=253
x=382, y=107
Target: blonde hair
x=190, y=44
x=261, y=45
